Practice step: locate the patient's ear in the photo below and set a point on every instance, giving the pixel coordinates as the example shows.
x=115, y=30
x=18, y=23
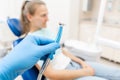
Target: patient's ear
x=29, y=17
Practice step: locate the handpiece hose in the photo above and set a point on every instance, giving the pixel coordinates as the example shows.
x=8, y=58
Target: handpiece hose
x=50, y=57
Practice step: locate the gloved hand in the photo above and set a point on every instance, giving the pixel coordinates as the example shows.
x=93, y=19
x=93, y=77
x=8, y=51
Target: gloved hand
x=25, y=55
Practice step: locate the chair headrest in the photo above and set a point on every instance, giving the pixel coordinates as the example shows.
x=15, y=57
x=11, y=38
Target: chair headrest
x=15, y=26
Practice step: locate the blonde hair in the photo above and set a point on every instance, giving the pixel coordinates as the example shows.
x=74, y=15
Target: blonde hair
x=28, y=7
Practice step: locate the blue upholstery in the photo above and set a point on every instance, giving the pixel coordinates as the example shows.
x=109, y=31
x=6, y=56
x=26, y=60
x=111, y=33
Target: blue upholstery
x=14, y=25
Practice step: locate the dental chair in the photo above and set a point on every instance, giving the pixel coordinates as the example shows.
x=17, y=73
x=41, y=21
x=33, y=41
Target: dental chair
x=15, y=27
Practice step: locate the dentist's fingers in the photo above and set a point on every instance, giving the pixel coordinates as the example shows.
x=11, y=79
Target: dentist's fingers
x=47, y=49
x=40, y=40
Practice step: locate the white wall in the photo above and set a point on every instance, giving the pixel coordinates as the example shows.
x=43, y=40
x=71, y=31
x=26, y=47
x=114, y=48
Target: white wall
x=59, y=12
x=66, y=11
x=15, y=8
x=74, y=19
x=10, y=8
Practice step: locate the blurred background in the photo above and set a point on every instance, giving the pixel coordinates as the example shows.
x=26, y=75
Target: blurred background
x=90, y=25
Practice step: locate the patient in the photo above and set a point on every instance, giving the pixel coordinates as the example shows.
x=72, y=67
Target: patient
x=34, y=17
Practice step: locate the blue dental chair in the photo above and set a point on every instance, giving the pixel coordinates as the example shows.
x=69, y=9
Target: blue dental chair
x=15, y=27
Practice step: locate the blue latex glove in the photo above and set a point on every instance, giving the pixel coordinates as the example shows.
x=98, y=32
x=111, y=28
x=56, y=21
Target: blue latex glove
x=25, y=55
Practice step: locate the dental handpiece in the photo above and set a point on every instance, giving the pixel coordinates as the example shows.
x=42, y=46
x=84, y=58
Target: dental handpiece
x=50, y=57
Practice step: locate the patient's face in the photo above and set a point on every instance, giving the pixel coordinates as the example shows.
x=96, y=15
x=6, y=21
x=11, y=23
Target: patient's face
x=40, y=18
